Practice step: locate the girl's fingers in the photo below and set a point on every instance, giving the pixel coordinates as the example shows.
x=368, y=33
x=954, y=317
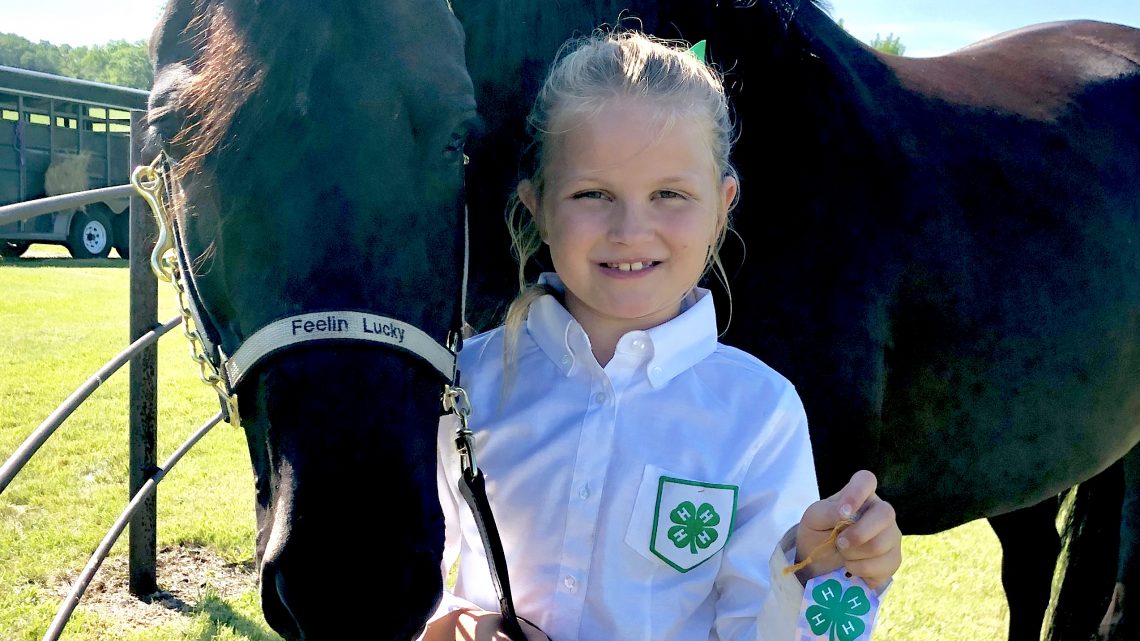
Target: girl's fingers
x=846, y=503
x=876, y=570
x=877, y=518
x=872, y=548
x=850, y=500
x=882, y=543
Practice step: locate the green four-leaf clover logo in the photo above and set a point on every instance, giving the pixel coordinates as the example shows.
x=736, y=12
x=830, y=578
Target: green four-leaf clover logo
x=696, y=527
x=838, y=611
x=681, y=534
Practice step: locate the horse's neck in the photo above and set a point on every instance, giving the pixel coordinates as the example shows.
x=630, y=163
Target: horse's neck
x=522, y=30
x=801, y=67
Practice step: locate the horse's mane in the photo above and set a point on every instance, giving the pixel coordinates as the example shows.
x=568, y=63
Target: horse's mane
x=789, y=9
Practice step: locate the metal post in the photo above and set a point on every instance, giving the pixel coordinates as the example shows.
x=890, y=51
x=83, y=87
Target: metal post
x=22, y=132
x=142, y=535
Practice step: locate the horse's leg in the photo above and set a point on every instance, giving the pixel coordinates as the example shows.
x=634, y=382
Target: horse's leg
x=1030, y=545
x=1089, y=561
x=1119, y=623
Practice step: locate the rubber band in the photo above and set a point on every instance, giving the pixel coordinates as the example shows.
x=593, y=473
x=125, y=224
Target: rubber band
x=843, y=524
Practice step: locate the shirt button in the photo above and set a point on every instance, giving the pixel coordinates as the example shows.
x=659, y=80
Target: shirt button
x=570, y=583
x=638, y=343
x=565, y=359
x=600, y=398
x=656, y=370
x=584, y=492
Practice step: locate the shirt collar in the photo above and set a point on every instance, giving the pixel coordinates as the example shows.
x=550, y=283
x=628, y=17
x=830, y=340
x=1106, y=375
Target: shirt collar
x=673, y=346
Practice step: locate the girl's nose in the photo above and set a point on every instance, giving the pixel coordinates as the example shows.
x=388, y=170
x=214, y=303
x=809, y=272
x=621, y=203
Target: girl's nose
x=630, y=223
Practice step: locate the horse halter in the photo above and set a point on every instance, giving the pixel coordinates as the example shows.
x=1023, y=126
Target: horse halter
x=224, y=372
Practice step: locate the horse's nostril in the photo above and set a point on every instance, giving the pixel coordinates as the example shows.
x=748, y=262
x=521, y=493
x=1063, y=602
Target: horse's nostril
x=274, y=603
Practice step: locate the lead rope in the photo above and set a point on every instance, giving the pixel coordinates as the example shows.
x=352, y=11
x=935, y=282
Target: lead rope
x=471, y=481
x=473, y=488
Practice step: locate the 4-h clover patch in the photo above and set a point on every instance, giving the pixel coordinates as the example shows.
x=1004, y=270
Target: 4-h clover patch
x=691, y=522
x=837, y=608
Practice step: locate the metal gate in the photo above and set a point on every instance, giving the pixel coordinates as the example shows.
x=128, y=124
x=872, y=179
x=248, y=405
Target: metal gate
x=145, y=330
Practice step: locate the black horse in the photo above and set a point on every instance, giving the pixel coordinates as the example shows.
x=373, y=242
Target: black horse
x=942, y=254
x=315, y=171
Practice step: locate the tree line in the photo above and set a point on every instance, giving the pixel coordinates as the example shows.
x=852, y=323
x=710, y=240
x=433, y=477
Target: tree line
x=127, y=64
x=118, y=62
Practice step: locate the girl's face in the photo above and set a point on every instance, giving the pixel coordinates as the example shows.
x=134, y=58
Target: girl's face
x=630, y=213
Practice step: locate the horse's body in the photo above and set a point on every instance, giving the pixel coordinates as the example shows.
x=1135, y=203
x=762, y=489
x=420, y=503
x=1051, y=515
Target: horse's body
x=943, y=255
x=317, y=170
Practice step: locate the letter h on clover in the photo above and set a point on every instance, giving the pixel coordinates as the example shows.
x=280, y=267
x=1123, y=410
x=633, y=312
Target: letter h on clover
x=695, y=528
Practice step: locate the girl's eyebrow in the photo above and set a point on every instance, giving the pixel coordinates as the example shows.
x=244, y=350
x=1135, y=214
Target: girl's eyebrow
x=590, y=176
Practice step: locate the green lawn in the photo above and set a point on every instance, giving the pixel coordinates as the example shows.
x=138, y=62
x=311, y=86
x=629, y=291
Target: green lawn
x=62, y=319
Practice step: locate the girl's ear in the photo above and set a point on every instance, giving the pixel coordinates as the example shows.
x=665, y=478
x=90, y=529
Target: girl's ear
x=529, y=198
x=727, y=197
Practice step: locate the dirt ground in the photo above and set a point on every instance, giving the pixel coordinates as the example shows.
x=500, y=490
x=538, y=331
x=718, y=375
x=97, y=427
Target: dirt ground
x=185, y=576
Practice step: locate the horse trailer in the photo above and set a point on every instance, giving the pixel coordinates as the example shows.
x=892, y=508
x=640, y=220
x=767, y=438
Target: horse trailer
x=61, y=135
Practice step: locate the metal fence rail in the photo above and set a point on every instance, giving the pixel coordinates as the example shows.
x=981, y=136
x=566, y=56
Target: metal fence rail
x=141, y=512
x=41, y=434
x=67, y=607
x=32, y=208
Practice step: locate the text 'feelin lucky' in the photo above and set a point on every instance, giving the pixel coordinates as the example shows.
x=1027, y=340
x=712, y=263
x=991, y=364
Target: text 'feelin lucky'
x=339, y=325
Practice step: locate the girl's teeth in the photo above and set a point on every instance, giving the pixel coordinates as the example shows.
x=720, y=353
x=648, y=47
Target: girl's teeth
x=628, y=267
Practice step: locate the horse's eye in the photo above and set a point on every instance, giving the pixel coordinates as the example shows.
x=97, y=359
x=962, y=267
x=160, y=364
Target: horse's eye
x=454, y=150
x=167, y=125
x=458, y=139
x=456, y=143
x=460, y=136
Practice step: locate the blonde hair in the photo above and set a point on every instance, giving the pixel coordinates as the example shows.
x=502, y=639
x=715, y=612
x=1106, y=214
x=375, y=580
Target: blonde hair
x=589, y=74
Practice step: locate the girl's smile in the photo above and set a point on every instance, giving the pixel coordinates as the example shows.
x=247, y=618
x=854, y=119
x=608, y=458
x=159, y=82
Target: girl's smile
x=637, y=266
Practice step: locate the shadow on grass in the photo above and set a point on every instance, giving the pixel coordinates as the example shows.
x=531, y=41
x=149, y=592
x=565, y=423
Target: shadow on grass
x=75, y=263
x=223, y=617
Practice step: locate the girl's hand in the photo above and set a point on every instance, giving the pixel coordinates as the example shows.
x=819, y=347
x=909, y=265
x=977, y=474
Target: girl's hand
x=871, y=548
x=476, y=625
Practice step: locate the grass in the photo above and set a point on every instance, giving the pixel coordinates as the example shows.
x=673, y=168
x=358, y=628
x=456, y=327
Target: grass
x=61, y=319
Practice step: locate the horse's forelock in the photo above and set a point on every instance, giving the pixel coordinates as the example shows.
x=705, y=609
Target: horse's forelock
x=238, y=45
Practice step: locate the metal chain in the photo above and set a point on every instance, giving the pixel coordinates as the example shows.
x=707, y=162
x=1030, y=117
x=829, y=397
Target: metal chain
x=149, y=181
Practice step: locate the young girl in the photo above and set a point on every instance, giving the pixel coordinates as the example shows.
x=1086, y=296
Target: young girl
x=641, y=474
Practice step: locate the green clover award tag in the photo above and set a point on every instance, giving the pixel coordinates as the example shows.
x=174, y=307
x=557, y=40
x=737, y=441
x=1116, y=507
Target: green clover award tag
x=837, y=608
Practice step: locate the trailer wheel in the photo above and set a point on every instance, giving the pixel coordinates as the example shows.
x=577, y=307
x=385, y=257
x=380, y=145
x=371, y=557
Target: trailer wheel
x=121, y=226
x=91, y=235
x=13, y=248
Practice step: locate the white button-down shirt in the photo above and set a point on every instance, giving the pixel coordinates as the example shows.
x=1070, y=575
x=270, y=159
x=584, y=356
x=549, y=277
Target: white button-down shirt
x=642, y=500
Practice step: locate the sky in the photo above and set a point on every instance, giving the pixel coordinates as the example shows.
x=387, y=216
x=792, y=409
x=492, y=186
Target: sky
x=924, y=27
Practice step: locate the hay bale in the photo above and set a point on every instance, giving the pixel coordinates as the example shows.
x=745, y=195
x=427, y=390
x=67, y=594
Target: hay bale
x=67, y=174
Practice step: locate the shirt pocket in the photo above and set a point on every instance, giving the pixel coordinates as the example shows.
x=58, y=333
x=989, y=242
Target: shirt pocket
x=678, y=521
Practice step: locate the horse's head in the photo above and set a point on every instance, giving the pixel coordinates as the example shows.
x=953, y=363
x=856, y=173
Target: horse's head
x=317, y=169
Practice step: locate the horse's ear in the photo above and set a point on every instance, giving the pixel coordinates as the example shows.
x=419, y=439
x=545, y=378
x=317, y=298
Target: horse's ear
x=174, y=37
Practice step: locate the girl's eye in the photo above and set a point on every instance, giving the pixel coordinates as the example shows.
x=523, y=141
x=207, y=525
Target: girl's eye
x=667, y=193
x=589, y=194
